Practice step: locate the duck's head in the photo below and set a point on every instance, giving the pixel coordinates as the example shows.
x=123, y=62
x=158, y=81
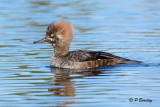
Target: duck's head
x=59, y=34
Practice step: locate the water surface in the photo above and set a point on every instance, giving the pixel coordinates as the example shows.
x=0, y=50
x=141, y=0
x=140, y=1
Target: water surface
x=130, y=29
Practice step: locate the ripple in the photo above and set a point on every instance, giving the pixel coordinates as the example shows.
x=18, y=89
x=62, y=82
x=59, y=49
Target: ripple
x=129, y=29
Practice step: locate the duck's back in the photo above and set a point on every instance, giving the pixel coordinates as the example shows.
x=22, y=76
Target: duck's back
x=92, y=59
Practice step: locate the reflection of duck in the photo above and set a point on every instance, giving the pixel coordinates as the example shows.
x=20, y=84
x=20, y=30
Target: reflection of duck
x=60, y=34
x=66, y=86
x=62, y=78
x=63, y=84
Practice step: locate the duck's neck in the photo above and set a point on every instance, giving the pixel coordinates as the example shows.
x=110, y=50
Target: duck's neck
x=61, y=50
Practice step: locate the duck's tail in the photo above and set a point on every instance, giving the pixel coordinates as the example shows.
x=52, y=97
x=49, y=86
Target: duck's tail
x=124, y=60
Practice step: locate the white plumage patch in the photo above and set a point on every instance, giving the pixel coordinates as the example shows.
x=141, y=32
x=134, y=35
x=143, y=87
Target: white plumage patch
x=60, y=36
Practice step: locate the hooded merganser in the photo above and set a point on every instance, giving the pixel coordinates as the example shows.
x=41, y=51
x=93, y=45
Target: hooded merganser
x=60, y=34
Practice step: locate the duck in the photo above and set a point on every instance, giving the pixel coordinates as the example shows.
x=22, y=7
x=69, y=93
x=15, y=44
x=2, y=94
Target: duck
x=60, y=34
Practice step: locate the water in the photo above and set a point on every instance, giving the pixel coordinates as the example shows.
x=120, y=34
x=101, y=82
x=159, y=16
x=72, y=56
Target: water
x=126, y=28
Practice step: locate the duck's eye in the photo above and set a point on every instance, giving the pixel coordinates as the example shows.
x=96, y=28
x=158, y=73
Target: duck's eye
x=52, y=35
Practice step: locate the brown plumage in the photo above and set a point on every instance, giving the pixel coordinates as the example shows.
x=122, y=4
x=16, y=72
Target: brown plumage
x=60, y=34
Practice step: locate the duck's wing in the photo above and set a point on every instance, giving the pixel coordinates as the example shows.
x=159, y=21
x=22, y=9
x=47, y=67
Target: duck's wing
x=82, y=55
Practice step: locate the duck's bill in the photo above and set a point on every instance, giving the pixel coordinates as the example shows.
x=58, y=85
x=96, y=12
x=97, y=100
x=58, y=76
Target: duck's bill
x=40, y=41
